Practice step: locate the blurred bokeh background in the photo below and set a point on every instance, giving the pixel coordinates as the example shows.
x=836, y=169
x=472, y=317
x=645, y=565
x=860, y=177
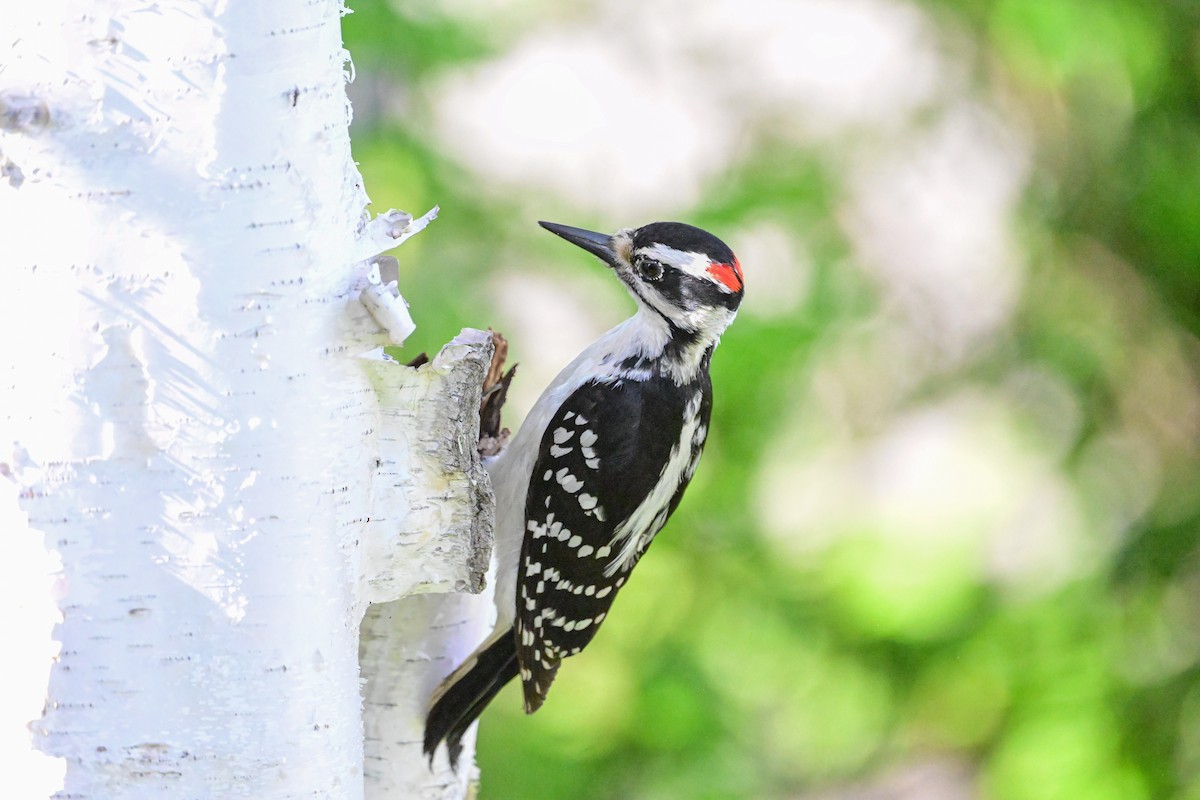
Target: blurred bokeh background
x=944, y=541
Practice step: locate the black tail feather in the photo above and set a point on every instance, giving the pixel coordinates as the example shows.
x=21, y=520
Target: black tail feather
x=463, y=701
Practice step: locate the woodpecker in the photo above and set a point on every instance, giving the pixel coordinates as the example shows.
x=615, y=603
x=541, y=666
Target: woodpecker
x=599, y=465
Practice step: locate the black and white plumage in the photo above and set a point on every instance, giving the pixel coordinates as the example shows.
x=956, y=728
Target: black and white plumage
x=599, y=465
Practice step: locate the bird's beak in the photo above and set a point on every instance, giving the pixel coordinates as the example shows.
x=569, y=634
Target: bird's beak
x=598, y=244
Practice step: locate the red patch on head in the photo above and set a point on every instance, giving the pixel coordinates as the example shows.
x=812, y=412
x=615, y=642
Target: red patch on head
x=728, y=275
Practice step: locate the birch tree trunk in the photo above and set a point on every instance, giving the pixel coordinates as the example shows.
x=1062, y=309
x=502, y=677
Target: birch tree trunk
x=201, y=443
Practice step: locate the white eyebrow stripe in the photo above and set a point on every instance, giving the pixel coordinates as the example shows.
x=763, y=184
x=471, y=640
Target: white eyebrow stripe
x=694, y=264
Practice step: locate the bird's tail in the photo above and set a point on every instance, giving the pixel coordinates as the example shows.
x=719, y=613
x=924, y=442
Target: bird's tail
x=463, y=695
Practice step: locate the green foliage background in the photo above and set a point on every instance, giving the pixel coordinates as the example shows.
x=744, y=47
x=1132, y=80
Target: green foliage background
x=740, y=666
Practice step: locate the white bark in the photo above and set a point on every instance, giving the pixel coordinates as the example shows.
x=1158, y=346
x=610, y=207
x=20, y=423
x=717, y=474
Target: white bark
x=198, y=435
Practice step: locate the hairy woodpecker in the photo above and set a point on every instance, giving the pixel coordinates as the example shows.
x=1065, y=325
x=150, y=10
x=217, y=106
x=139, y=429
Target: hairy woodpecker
x=598, y=466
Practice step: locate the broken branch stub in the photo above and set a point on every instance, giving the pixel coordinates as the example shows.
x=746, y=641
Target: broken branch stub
x=431, y=509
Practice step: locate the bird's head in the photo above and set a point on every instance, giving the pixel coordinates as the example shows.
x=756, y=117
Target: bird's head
x=684, y=274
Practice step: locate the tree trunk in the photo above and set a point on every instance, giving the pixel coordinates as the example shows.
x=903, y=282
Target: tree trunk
x=203, y=442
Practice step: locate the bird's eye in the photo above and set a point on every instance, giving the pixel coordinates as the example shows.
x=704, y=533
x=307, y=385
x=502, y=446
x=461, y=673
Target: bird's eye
x=649, y=269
